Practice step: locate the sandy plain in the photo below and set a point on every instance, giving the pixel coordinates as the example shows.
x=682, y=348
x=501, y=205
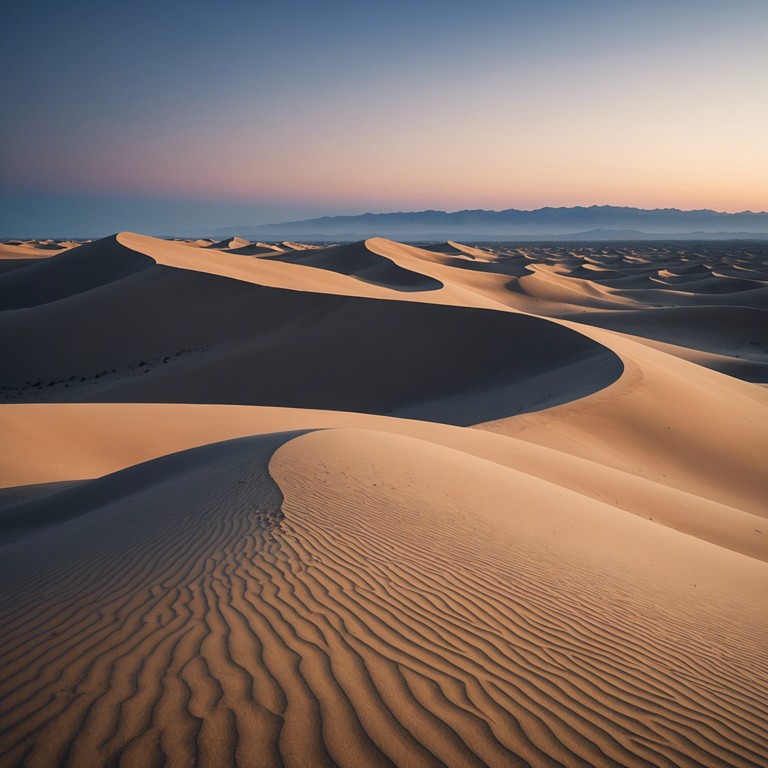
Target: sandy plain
x=383, y=504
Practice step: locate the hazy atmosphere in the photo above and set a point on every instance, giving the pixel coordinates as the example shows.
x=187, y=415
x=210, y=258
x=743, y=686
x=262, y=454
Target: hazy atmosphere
x=183, y=115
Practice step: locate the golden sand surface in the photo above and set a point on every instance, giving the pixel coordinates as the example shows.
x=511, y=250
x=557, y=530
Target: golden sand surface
x=383, y=504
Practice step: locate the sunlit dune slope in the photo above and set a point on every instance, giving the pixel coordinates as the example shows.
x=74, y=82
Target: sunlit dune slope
x=357, y=598
x=666, y=419
x=58, y=445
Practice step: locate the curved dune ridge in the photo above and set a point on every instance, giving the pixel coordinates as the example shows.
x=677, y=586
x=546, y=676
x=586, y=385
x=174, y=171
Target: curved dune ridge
x=363, y=261
x=74, y=271
x=256, y=249
x=230, y=341
x=243, y=520
x=357, y=598
x=732, y=340
x=229, y=244
x=58, y=445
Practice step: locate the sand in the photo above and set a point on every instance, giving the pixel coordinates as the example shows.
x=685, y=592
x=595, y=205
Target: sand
x=381, y=504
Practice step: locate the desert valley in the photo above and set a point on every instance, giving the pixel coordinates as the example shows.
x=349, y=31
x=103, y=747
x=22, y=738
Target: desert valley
x=373, y=503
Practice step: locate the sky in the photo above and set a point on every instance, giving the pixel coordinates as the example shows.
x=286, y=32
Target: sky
x=186, y=116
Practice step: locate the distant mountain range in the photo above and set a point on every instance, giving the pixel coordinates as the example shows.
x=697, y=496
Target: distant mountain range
x=597, y=222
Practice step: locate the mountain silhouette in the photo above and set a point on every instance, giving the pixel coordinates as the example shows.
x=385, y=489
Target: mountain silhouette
x=597, y=221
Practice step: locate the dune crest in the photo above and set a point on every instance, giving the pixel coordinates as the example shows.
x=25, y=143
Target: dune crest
x=232, y=341
x=303, y=619
x=368, y=261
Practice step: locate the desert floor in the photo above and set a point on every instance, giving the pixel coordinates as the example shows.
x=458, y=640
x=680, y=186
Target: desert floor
x=379, y=504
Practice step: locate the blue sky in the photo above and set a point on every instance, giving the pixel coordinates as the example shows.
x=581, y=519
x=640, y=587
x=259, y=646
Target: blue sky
x=174, y=116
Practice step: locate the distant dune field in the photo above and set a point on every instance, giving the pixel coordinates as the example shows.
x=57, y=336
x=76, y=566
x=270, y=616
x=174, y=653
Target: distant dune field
x=369, y=504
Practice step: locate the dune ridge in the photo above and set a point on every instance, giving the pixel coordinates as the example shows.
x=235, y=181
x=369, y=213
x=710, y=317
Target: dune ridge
x=365, y=262
x=76, y=270
x=309, y=602
x=231, y=341
x=50, y=456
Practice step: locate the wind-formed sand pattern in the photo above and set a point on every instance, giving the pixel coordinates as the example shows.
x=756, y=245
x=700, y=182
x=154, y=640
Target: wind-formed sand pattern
x=380, y=504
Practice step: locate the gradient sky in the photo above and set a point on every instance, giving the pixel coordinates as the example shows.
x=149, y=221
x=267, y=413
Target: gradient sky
x=162, y=117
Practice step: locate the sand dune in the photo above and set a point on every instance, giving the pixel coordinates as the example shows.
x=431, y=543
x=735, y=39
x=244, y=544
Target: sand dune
x=256, y=249
x=75, y=271
x=61, y=444
x=234, y=342
x=15, y=254
x=231, y=342
x=362, y=261
x=732, y=340
x=307, y=598
x=243, y=520
x=230, y=243
x=451, y=248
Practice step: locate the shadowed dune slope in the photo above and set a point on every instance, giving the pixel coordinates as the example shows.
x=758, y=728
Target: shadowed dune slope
x=256, y=249
x=169, y=335
x=734, y=340
x=361, y=261
x=10, y=264
x=348, y=597
x=75, y=271
x=465, y=250
x=229, y=243
x=730, y=330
